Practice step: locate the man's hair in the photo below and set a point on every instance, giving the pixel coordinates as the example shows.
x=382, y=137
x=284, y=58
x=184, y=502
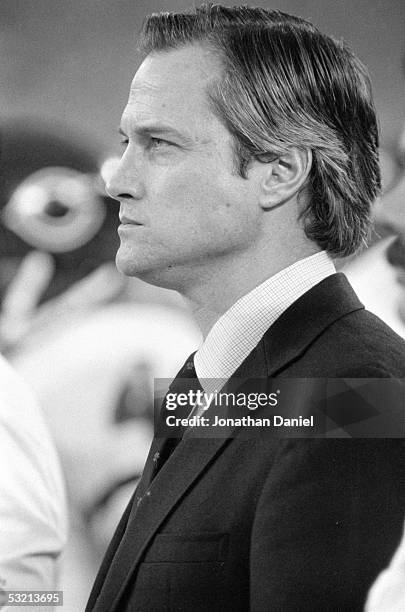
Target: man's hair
x=285, y=84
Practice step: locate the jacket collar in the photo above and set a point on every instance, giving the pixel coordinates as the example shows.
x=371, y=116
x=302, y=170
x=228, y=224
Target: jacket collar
x=300, y=325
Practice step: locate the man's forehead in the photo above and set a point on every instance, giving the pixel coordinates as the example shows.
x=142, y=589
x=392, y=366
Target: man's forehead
x=142, y=88
x=191, y=67
x=172, y=86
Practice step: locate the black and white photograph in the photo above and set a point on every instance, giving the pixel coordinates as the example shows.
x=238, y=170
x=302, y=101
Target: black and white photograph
x=202, y=306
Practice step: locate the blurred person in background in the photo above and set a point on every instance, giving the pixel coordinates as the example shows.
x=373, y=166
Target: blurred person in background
x=388, y=255
x=379, y=276
x=87, y=344
x=33, y=513
x=378, y=273
x=388, y=592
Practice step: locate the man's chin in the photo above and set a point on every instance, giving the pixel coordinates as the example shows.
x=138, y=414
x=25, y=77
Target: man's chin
x=152, y=273
x=125, y=265
x=130, y=267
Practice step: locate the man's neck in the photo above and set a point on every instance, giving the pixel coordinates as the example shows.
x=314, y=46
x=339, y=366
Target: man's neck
x=214, y=295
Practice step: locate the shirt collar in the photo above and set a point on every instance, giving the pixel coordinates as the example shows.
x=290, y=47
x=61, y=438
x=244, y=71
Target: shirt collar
x=240, y=328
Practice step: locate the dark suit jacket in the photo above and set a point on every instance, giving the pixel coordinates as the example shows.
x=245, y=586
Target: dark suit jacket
x=283, y=525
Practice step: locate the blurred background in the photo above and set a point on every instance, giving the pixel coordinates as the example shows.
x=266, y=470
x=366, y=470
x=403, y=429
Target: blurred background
x=72, y=60
x=88, y=341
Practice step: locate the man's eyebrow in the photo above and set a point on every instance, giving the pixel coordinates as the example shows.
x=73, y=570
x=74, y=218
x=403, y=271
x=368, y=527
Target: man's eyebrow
x=157, y=128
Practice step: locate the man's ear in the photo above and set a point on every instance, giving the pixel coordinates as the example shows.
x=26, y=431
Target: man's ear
x=283, y=177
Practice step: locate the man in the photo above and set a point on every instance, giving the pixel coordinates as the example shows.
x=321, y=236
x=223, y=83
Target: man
x=251, y=158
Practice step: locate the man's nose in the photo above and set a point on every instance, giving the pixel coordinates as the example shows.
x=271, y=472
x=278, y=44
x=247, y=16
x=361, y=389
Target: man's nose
x=125, y=183
x=389, y=213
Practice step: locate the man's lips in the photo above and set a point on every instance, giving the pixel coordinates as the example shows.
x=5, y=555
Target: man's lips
x=127, y=221
x=396, y=253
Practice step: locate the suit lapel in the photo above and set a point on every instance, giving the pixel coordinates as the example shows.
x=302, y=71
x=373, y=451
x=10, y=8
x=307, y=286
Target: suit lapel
x=307, y=319
x=297, y=328
x=290, y=335
x=109, y=555
x=189, y=460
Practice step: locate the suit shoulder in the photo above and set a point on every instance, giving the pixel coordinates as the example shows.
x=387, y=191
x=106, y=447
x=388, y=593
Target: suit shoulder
x=358, y=344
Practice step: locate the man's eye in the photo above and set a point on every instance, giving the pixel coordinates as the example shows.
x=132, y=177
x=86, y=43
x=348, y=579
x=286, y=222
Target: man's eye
x=158, y=143
x=153, y=144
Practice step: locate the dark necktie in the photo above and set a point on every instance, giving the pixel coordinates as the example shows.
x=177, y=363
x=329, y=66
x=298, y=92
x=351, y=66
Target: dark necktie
x=185, y=381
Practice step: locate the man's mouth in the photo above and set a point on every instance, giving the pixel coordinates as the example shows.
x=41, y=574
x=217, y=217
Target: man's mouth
x=127, y=221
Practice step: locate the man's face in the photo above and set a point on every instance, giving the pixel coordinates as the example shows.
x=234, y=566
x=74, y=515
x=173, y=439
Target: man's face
x=184, y=208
